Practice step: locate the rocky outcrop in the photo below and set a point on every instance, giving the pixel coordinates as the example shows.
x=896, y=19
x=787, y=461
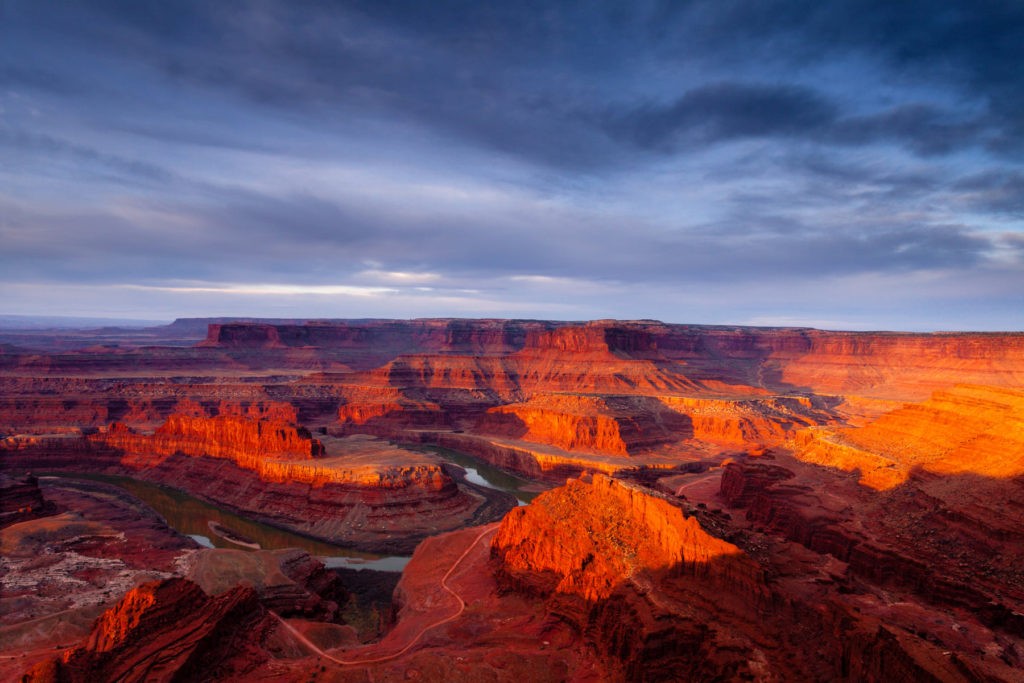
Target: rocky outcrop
x=950, y=563
x=21, y=500
x=402, y=336
x=169, y=630
x=379, y=509
x=585, y=539
x=612, y=425
x=887, y=535
x=877, y=363
x=741, y=483
x=658, y=597
x=615, y=560
x=276, y=453
x=900, y=365
x=385, y=409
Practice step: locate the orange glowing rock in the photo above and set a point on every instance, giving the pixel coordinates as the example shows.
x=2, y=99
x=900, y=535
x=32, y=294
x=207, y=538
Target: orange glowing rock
x=965, y=430
x=169, y=630
x=618, y=425
x=588, y=538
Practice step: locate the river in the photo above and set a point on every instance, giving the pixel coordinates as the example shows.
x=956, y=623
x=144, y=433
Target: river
x=480, y=473
x=197, y=519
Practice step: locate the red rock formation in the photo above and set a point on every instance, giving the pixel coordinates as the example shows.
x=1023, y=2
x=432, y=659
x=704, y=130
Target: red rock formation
x=386, y=409
x=375, y=500
x=21, y=500
x=741, y=483
x=748, y=423
x=619, y=532
x=659, y=597
x=169, y=630
x=900, y=365
x=402, y=336
x=238, y=437
x=375, y=506
x=967, y=429
x=882, y=580
x=615, y=425
x=617, y=561
x=951, y=560
x=276, y=451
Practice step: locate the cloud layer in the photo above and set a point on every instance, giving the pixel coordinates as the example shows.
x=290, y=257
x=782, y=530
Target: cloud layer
x=851, y=164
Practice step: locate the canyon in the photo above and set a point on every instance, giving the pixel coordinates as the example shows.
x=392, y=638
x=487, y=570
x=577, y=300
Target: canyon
x=715, y=503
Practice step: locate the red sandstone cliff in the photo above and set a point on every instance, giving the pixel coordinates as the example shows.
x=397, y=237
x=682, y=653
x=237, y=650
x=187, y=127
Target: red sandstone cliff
x=614, y=425
x=237, y=438
x=168, y=631
x=372, y=496
x=622, y=565
x=884, y=364
x=659, y=597
x=966, y=429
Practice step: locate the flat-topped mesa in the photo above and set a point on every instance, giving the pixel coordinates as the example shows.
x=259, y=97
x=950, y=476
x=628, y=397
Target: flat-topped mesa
x=900, y=365
x=399, y=336
x=645, y=356
x=276, y=452
x=607, y=425
x=447, y=373
x=386, y=410
x=588, y=539
x=587, y=340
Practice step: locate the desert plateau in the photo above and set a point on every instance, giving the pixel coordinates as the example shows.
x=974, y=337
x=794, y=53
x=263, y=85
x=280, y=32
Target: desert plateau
x=310, y=500
x=545, y=341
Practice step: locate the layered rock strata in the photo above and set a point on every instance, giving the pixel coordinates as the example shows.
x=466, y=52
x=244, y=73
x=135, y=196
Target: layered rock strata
x=371, y=496
x=21, y=500
x=169, y=630
x=963, y=430
x=659, y=597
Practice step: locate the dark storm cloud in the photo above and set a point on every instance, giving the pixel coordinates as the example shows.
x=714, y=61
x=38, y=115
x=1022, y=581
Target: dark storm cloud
x=971, y=47
x=539, y=79
x=978, y=42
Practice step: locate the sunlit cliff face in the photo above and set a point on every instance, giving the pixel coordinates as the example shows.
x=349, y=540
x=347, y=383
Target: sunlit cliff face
x=277, y=452
x=593, y=537
x=965, y=430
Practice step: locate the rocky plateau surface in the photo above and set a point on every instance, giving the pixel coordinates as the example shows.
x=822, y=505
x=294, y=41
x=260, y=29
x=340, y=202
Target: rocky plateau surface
x=743, y=503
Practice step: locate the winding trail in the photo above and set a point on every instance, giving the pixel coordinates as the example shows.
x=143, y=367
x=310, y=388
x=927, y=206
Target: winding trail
x=698, y=479
x=408, y=646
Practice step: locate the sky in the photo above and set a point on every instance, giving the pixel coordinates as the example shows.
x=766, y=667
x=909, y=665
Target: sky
x=844, y=164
